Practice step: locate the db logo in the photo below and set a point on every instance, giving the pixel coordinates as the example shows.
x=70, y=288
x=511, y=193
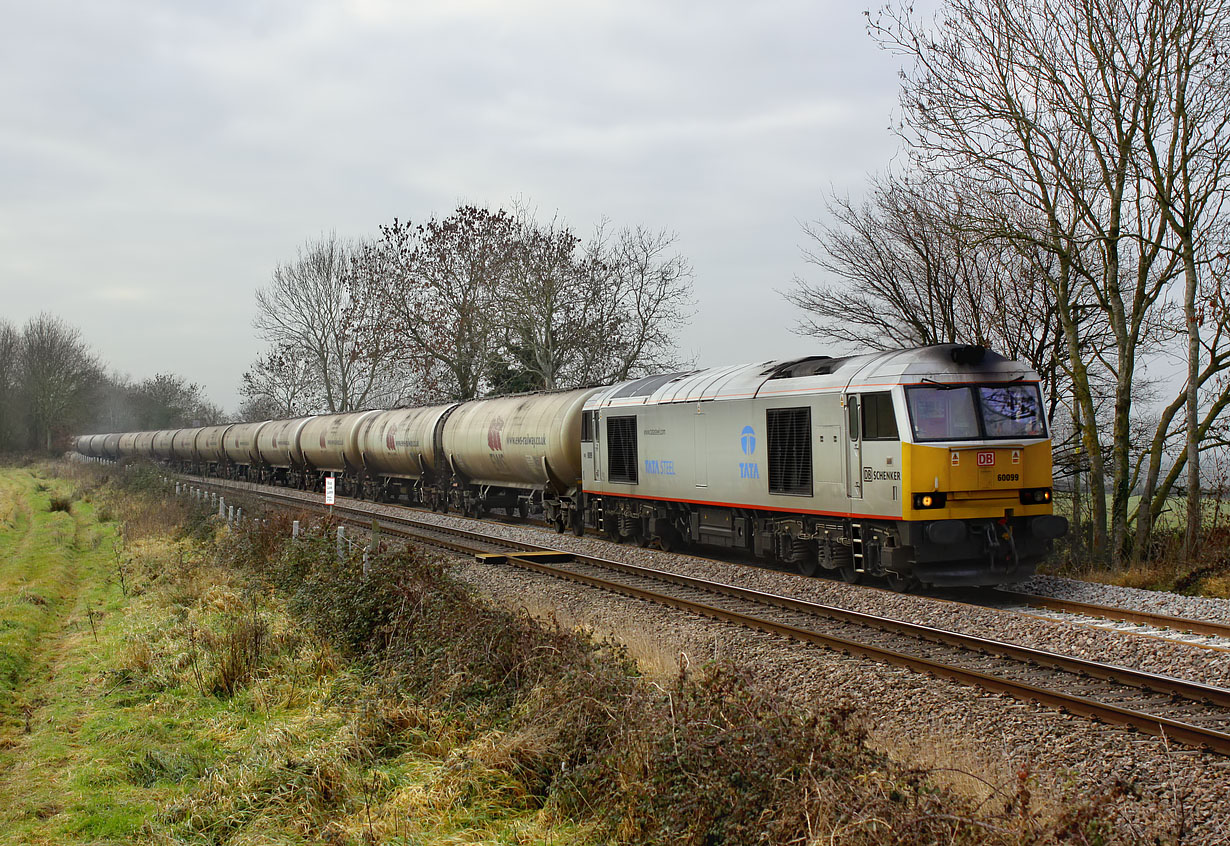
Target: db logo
x=986, y=459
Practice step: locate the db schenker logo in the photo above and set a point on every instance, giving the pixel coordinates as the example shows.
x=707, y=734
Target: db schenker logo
x=747, y=441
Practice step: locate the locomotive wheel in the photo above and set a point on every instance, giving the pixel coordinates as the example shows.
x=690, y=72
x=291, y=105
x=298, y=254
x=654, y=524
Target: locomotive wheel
x=578, y=526
x=808, y=565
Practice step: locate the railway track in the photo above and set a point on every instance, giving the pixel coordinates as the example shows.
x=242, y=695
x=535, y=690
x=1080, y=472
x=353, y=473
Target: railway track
x=1188, y=712
x=1188, y=631
x=1182, y=629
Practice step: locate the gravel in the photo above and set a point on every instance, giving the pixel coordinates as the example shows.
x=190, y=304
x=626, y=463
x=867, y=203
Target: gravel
x=1155, y=601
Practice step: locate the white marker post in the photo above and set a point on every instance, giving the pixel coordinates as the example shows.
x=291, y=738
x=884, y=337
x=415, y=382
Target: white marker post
x=330, y=492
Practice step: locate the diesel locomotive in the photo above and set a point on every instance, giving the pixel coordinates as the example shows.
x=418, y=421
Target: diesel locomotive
x=926, y=466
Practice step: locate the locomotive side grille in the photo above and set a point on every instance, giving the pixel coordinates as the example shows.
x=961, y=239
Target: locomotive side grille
x=621, y=449
x=789, y=451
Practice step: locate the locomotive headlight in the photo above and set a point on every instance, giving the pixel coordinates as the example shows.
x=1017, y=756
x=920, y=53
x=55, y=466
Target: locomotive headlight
x=1036, y=496
x=929, y=500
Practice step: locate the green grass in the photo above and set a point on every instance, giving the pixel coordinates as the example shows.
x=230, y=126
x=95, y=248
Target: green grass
x=145, y=728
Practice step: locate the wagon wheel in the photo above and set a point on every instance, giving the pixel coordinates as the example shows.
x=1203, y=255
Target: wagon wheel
x=848, y=574
x=809, y=565
x=523, y=509
x=669, y=540
x=559, y=524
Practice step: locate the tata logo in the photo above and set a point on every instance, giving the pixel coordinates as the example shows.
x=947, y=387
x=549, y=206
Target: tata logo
x=747, y=440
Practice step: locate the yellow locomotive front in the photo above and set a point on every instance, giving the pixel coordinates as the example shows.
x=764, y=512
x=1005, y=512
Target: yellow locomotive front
x=976, y=468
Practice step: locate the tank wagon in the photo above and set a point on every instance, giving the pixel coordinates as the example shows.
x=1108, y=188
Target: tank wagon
x=921, y=466
x=164, y=440
x=330, y=447
x=183, y=447
x=239, y=446
x=281, y=458
x=398, y=449
x=512, y=452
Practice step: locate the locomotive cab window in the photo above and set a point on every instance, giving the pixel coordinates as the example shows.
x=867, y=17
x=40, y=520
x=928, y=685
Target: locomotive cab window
x=985, y=412
x=621, y=449
x=879, y=418
x=588, y=419
x=789, y=451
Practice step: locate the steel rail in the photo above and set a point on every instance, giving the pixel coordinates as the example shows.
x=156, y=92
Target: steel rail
x=538, y=559
x=1110, y=612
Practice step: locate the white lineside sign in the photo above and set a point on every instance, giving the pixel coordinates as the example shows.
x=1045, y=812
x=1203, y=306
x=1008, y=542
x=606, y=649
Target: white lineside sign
x=330, y=490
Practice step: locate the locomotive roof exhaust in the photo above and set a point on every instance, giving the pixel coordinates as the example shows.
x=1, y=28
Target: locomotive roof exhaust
x=968, y=354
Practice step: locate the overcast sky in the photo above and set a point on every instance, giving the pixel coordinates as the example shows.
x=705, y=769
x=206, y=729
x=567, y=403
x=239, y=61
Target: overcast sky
x=157, y=161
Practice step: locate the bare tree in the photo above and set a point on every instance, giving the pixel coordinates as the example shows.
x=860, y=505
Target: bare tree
x=169, y=401
x=915, y=268
x=280, y=383
x=58, y=377
x=309, y=312
x=440, y=281
x=653, y=297
x=1186, y=129
x=10, y=386
x=543, y=307
x=595, y=313
x=1049, y=103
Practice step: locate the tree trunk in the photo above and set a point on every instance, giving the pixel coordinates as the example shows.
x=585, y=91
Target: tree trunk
x=1191, y=537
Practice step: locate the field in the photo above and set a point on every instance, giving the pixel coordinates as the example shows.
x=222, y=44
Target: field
x=1205, y=574
x=168, y=680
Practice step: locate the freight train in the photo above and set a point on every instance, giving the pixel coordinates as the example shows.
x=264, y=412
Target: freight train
x=927, y=466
